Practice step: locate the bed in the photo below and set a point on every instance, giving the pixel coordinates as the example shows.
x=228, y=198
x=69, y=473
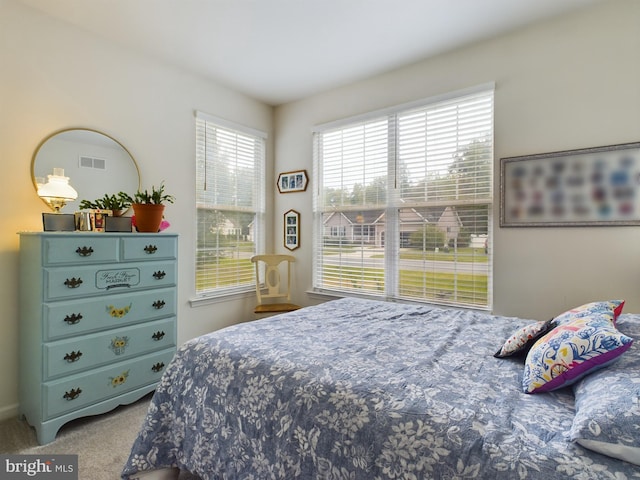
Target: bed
x=361, y=389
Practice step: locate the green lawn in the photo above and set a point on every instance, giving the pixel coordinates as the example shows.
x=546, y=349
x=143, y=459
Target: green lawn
x=463, y=288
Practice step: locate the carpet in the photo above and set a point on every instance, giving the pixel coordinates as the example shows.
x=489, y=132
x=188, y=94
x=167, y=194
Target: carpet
x=102, y=442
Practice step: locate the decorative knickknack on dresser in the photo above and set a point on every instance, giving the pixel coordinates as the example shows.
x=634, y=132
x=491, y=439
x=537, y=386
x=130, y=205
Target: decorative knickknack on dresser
x=97, y=322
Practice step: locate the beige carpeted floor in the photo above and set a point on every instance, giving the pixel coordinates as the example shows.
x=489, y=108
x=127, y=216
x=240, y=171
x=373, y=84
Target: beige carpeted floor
x=102, y=442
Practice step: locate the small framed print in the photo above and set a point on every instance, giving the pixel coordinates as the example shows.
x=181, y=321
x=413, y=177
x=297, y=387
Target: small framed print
x=293, y=181
x=291, y=230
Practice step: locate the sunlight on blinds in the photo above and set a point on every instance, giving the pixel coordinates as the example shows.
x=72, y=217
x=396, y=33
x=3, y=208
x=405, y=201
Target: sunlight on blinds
x=230, y=205
x=403, y=203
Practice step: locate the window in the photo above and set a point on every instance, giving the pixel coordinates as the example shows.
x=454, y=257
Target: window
x=403, y=202
x=230, y=203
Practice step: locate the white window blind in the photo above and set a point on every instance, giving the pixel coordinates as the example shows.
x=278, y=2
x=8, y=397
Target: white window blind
x=402, y=205
x=230, y=203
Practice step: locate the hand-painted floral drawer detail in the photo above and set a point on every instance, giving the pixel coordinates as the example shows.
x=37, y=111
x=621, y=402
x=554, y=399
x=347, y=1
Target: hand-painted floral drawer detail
x=102, y=348
x=118, y=312
x=120, y=379
x=119, y=345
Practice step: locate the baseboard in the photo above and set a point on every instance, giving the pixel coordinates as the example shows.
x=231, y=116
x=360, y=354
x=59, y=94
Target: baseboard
x=9, y=412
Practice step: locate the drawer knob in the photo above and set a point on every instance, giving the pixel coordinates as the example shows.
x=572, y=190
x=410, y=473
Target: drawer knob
x=73, y=394
x=159, y=275
x=73, y=318
x=157, y=367
x=73, y=283
x=158, y=304
x=158, y=335
x=151, y=249
x=84, y=251
x=73, y=356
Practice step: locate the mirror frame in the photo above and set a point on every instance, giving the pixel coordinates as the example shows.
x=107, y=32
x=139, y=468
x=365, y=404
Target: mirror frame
x=71, y=129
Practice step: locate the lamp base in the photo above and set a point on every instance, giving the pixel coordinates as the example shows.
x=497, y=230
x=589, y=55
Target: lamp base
x=58, y=222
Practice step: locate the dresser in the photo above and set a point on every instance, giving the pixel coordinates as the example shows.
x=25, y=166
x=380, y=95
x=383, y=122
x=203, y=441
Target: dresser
x=97, y=322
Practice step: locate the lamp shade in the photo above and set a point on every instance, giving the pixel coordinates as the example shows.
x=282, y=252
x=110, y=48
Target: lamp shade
x=57, y=191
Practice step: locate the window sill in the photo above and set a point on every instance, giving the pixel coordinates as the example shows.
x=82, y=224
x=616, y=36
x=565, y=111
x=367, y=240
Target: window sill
x=220, y=298
x=327, y=295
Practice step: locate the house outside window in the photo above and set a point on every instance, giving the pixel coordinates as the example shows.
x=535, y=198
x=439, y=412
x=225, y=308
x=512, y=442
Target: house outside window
x=411, y=189
x=230, y=205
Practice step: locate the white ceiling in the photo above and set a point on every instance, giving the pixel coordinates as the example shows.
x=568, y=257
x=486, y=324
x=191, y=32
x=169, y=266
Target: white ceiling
x=283, y=50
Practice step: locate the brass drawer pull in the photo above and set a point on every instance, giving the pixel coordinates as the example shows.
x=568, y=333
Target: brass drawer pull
x=157, y=367
x=150, y=249
x=73, y=283
x=158, y=335
x=73, y=356
x=73, y=394
x=84, y=251
x=158, y=304
x=73, y=318
x=159, y=275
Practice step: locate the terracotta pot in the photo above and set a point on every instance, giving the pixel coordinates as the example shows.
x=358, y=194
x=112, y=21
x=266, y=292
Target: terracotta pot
x=148, y=216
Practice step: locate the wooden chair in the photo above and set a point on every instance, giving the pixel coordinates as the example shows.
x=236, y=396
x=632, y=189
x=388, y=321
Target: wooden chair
x=271, y=301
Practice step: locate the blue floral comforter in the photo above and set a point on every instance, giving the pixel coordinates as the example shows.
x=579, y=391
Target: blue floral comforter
x=356, y=389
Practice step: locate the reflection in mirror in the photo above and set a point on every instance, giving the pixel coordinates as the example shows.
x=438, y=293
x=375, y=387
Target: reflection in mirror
x=95, y=163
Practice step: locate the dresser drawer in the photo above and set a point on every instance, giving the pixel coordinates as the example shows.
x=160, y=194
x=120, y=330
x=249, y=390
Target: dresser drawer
x=77, y=317
x=80, y=281
x=77, y=391
x=69, y=356
x=155, y=247
x=80, y=250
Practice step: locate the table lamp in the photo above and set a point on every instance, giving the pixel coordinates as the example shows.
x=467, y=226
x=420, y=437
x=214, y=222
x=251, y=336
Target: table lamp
x=56, y=193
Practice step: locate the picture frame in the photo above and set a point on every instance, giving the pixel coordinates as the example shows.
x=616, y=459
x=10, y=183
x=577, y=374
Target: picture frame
x=586, y=187
x=295, y=181
x=292, y=230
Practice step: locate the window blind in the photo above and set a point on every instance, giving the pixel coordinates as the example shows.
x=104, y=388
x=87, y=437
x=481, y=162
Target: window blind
x=230, y=204
x=402, y=205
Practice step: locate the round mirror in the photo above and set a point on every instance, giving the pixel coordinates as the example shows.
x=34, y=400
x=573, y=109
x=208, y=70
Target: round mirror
x=95, y=164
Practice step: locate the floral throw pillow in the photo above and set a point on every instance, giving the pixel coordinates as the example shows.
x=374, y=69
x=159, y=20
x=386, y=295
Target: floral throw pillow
x=571, y=350
x=523, y=339
x=609, y=308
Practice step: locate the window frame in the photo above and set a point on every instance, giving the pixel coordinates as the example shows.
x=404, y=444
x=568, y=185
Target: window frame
x=393, y=237
x=257, y=208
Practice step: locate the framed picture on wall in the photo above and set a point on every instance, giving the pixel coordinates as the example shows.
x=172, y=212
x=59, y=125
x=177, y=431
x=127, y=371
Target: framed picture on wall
x=293, y=181
x=588, y=187
x=291, y=230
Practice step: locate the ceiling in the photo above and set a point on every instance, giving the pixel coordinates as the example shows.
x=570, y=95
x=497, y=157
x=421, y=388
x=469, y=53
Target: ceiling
x=279, y=51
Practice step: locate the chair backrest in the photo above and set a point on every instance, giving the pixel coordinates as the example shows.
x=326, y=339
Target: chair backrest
x=270, y=276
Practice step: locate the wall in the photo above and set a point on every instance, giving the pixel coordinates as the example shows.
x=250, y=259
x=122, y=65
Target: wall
x=573, y=82
x=53, y=76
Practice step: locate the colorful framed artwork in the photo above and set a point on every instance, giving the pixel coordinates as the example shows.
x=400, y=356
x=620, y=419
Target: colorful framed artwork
x=293, y=181
x=291, y=230
x=588, y=187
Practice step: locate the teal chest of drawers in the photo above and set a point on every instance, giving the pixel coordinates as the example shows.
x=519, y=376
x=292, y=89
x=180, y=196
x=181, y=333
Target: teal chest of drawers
x=97, y=322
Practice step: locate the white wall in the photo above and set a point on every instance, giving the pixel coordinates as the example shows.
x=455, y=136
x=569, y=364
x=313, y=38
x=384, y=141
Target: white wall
x=53, y=76
x=573, y=82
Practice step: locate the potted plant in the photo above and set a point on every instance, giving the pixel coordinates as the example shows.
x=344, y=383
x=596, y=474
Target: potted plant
x=118, y=203
x=148, y=208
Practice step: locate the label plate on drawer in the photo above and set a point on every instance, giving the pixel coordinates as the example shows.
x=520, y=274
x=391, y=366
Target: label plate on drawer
x=81, y=281
x=120, y=277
